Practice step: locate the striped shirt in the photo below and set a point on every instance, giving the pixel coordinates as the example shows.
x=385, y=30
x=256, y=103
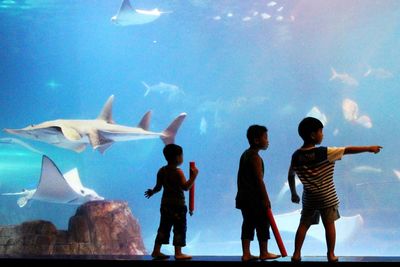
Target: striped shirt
x=315, y=167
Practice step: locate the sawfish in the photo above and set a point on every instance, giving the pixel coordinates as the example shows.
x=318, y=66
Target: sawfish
x=100, y=133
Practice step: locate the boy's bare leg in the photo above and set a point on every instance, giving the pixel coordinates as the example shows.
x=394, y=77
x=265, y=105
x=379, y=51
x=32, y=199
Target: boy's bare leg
x=179, y=255
x=299, y=240
x=264, y=254
x=246, y=250
x=330, y=235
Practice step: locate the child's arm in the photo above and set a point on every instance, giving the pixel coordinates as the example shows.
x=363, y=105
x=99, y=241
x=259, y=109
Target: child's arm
x=361, y=149
x=292, y=185
x=257, y=167
x=157, y=187
x=186, y=185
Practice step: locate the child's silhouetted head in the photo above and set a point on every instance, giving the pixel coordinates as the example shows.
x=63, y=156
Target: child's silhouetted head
x=308, y=129
x=254, y=133
x=173, y=153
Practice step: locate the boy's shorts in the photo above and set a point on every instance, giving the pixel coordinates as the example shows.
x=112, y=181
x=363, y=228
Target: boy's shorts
x=311, y=216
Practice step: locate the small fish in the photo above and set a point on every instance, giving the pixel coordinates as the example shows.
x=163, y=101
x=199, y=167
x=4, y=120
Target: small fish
x=246, y=19
x=378, y=73
x=203, y=126
x=366, y=168
x=271, y=4
x=344, y=78
x=351, y=113
x=265, y=16
x=316, y=113
x=161, y=88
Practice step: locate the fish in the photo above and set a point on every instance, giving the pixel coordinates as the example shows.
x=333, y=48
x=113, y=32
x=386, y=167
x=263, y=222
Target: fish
x=351, y=113
x=379, y=73
x=127, y=16
x=161, y=88
x=56, y=187
x=265, y=16
x=100, y=133
x=366, y=168
x=203, y=126
x=16, y=141
x=344, y=78
x=316, y=113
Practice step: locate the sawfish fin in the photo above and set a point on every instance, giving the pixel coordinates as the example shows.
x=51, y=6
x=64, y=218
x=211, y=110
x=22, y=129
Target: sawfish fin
x=106, y=112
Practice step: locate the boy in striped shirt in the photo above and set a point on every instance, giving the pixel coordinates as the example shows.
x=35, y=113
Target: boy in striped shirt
x=314, y=166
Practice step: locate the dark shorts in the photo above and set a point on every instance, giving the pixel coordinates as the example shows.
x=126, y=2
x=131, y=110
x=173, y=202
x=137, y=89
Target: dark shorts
x=172, y=216
x=311, y=216
x=255, y=219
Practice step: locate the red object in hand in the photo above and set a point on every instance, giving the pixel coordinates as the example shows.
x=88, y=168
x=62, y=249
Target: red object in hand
x=191, y=192
x=275, y=230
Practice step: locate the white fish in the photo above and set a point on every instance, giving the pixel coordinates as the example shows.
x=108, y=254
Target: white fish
x=217, y=18
x=364, y=121
x=57, y=188
x=280, y=9
x=128, y=16
x=366, y=168
x=344, y=78
x=316, y=113
x=279, y=18
x=378, y=73
x=100, y=133
x=351, y=113
x=203, y=126
x=19, y=142
x=246, y=19
x=346, y=226
x=336, y=132
x=161, y=88
x=265, y=16
x=350, y=109
x=271, y=4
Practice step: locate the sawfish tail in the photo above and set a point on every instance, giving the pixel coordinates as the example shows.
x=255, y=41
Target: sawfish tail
x=168, y=135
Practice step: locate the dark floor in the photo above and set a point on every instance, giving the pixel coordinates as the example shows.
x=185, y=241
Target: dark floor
x=196, y=261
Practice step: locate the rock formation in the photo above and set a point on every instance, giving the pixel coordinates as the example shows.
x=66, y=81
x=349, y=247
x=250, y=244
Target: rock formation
x=97, y=228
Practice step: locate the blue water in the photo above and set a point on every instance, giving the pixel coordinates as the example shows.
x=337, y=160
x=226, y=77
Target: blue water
x=235, y=63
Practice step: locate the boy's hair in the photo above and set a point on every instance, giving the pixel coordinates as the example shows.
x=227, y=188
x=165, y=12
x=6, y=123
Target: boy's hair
x=255, y=131
x=307, y=126
x=171, y=151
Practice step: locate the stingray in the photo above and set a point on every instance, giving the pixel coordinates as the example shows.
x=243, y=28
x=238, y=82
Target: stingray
x=128, y=16
x=57, y=188
x=346, y=227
